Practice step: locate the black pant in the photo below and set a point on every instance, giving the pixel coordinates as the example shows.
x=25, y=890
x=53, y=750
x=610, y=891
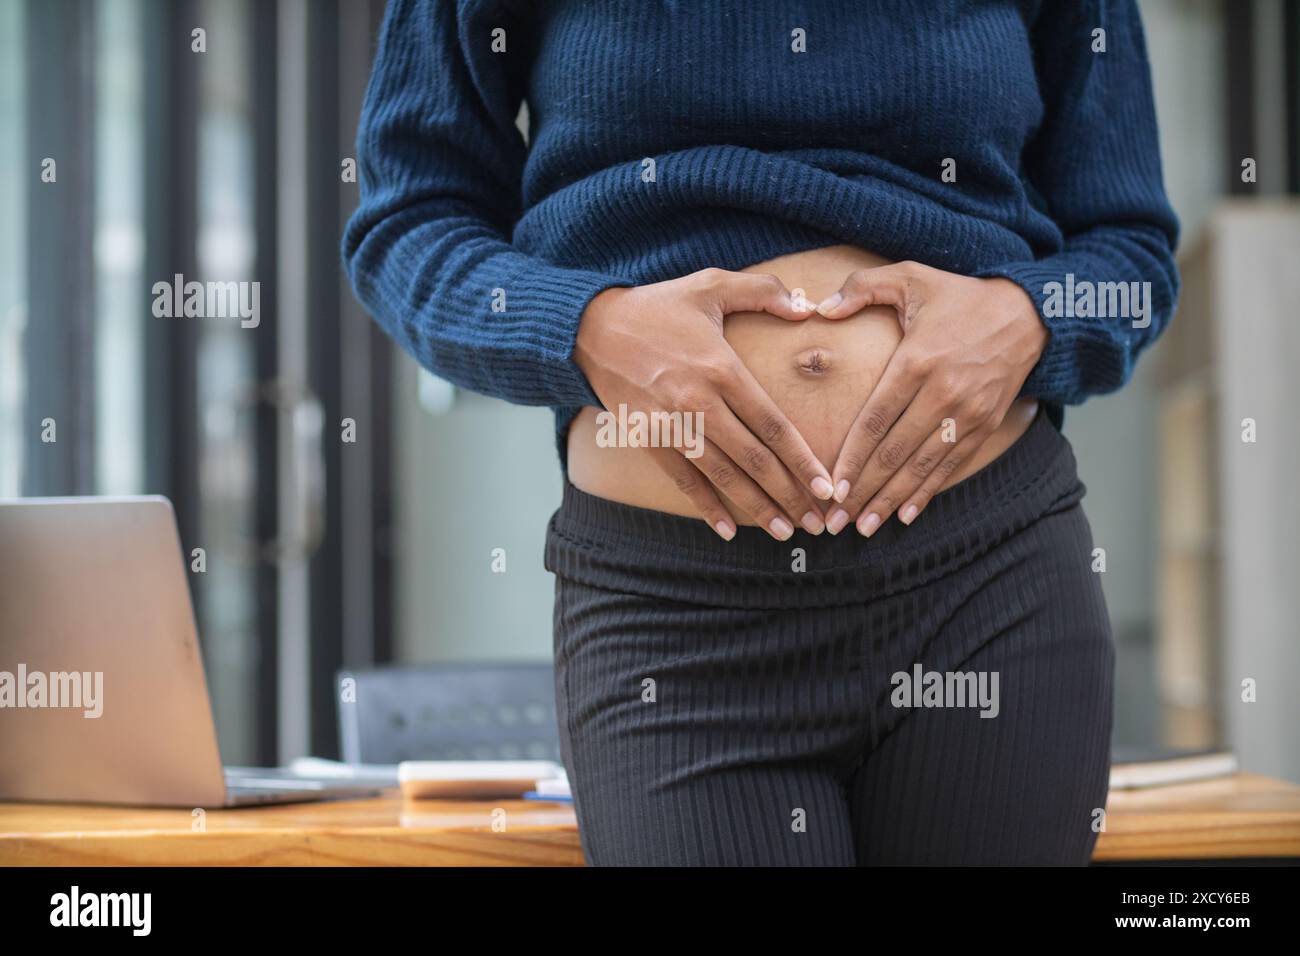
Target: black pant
x=720, y=704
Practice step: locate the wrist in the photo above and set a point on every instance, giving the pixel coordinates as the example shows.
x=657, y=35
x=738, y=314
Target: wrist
x=593, y=317
x=1022, y=305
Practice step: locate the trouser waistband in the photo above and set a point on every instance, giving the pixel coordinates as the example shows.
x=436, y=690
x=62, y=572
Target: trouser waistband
x=621, y=547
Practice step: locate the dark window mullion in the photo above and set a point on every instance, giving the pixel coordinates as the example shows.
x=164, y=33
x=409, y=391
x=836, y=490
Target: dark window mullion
x=1239, y=40
x=1291, y=25
x=381, y=416
x=325, y=365
x=264, y=41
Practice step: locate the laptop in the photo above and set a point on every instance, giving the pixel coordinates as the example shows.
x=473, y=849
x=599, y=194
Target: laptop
x=103, y=698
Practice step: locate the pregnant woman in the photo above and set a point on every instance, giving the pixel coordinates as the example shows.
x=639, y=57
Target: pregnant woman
x=873, y=249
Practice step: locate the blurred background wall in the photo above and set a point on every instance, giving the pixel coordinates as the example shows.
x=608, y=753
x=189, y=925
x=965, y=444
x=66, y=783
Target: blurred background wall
x=230, y=163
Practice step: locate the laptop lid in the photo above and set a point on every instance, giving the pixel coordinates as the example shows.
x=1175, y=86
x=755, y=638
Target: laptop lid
x=102, y=693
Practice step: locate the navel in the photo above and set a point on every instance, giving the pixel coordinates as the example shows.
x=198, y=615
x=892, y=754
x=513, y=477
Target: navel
x=814, y=361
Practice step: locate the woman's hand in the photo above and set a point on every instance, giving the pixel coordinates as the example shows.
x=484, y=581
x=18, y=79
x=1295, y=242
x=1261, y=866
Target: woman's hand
x=968, y=345
x=660, y=348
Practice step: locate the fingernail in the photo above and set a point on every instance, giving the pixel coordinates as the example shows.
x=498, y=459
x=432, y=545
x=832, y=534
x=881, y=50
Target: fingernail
x=842, y=490
x=725, y=531
x=781, y=529
x=812, y=523
x=836, y=522
x=821, y=487
x=869, y=524
x=907, y=514
x=830, y=303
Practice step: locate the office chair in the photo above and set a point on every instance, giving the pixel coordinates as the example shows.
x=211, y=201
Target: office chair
x=448, y=712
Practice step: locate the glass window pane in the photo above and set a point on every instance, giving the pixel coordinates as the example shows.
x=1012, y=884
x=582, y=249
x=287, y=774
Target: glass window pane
x=120, y=306
x=227, y=377
x=14, y=182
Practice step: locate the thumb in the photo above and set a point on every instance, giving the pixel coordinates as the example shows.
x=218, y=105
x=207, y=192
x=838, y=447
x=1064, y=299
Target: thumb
x=882, y=285
x=755, y=292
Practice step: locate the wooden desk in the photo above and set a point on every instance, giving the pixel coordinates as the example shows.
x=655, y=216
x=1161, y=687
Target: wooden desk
x=381, y=831
x=1239, y=817
x=1242, y=816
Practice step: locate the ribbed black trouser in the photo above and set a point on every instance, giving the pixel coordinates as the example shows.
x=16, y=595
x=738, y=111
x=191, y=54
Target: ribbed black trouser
x=718, y=706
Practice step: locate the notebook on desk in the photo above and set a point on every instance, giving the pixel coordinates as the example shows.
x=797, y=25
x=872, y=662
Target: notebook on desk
x=1135, y=768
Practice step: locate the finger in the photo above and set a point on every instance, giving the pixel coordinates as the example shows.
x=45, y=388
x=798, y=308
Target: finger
x=883, y=285
x=960, y=453
x=695, y=486
x=900, y=487
x=893, y=393
x=802, y=304
x=758, y=460
x=730, y=479
x=751, y=292
x=764, y=418
x=911, y=430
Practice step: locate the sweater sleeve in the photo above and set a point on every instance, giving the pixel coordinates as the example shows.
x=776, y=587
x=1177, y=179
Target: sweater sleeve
x=1095, y=162
x=428, y=251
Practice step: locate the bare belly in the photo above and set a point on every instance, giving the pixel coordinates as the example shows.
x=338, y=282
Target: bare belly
x=819, y=372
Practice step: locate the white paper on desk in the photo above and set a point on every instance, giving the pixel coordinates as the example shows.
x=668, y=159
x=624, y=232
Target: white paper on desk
x=473, y=778
x=373, y=774
x=553, y=787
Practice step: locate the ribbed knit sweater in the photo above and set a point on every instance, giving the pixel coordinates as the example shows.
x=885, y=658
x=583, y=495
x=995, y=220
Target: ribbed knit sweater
x=982, y=138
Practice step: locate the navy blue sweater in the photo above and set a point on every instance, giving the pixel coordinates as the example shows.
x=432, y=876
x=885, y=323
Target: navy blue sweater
x=478, y=251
